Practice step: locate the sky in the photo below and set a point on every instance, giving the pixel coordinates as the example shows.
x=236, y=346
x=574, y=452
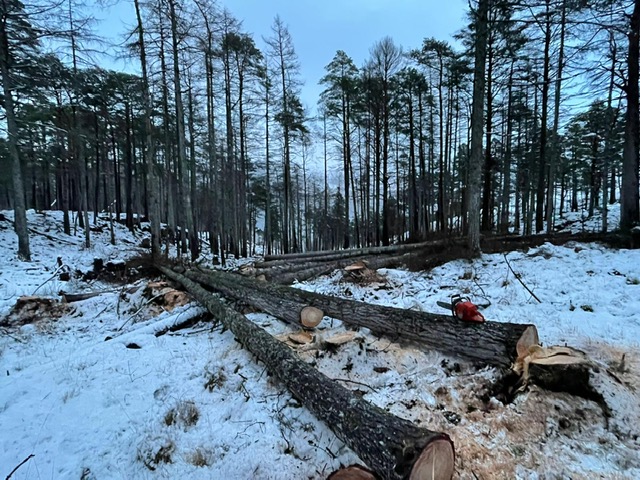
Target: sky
x=321, y=27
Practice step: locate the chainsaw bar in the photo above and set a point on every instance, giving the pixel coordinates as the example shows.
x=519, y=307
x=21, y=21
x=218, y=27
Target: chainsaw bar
x=449, y=306
x=446, y=305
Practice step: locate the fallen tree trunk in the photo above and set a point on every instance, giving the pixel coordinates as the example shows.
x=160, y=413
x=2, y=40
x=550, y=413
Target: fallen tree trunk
x=392, y=447
x=489, y=343
x=391, y=249
x=287, y=277
x=418, y=256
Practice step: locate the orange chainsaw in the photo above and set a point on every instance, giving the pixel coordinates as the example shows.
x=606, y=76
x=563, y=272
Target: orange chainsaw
x=463, y=309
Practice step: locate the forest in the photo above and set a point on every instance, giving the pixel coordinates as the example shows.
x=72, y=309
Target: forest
x=529, y=112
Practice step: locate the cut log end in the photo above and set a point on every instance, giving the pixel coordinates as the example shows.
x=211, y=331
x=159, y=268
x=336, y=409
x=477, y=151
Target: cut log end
x=436, y=462
x=353, y=472
x=311, y=317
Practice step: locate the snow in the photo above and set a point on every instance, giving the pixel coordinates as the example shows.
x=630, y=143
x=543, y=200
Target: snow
x=92, y=408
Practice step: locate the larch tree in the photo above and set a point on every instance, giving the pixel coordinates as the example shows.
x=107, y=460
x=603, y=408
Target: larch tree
x=340, y=84
x=286, y=68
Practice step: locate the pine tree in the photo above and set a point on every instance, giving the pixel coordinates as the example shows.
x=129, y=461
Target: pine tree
x=18, y=45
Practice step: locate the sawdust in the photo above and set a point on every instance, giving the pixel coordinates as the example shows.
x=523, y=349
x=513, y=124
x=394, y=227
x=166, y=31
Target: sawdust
x=39, y=311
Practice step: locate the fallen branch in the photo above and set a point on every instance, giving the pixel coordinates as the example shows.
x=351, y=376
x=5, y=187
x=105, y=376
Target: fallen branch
x=19, y=465
x=392, y=447
x=78, y=297
x=55, y=274
x=520, y=280
x=186, y=323
x=139, y=310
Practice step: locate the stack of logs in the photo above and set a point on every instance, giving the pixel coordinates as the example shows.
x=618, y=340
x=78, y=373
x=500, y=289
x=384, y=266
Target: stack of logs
x=393, y=448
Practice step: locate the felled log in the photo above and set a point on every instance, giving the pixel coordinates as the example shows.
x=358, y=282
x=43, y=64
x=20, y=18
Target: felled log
x=392, y=447
x=488, y=343
x=314, y=271
x=355, y=252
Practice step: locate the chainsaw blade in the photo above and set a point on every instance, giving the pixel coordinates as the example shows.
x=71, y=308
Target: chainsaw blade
x=446, y=305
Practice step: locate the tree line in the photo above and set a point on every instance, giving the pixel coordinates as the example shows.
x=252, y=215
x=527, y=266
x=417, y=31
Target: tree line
x=533, y=112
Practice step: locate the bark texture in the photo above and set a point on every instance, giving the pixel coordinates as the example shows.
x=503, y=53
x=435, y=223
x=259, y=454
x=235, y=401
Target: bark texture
x=489, y=343
x=389, y=445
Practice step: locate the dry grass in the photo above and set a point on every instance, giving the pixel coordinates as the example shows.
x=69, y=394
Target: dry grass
x=185, y=413
x=199, y=458
x=153, y=452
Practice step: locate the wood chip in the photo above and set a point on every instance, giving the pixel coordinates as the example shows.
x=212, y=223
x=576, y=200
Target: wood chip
x=301, y=338
x=341, y=338
x=356, y=266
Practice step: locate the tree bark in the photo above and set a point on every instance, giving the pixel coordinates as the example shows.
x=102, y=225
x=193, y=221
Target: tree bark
x=629, y=202
x=19, y=204
x=392, y=447
x=490, y=343
x=305, y=271
x=153, y=192
x=475, y=163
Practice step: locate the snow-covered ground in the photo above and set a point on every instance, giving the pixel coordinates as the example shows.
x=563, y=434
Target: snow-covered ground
x=193, y=404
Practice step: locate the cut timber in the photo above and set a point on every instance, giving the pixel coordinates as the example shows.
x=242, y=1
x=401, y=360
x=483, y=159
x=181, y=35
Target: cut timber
x=355, y=252
x=353, y=472
x=392, y=447
x=311, y=317
x=488, y=343
x=306, y=271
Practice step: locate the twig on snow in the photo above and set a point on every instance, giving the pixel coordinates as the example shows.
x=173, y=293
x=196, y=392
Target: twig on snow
x=5, y=332
x=31, y=455
x=140, y=309
x=346, y=380
x=55, y=274
x=520, y=280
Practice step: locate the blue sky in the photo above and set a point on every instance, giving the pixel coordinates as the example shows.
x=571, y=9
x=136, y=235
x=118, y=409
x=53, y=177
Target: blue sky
x=321, y=27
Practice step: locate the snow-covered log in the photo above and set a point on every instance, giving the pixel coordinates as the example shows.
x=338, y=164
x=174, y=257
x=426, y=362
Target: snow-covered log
x=392, y=447
x=489, y=343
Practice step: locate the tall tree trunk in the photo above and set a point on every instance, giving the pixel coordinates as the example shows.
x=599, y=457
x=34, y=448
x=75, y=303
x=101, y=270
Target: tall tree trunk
x=542, y=168
x=128, y=179
x=630, y=205
x=487, y=193
x=13, y=133
x=475, y=166
x=554, y=158
x=183, y=169
x=149, y=153
x=506, y=181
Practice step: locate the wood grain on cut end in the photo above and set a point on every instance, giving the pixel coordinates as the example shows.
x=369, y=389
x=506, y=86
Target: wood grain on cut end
x=310, y=317
x=436, y=462
x=353, y=472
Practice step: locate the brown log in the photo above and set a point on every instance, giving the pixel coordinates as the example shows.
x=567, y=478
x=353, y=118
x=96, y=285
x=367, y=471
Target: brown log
x=392, y=447
x=488, y=343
